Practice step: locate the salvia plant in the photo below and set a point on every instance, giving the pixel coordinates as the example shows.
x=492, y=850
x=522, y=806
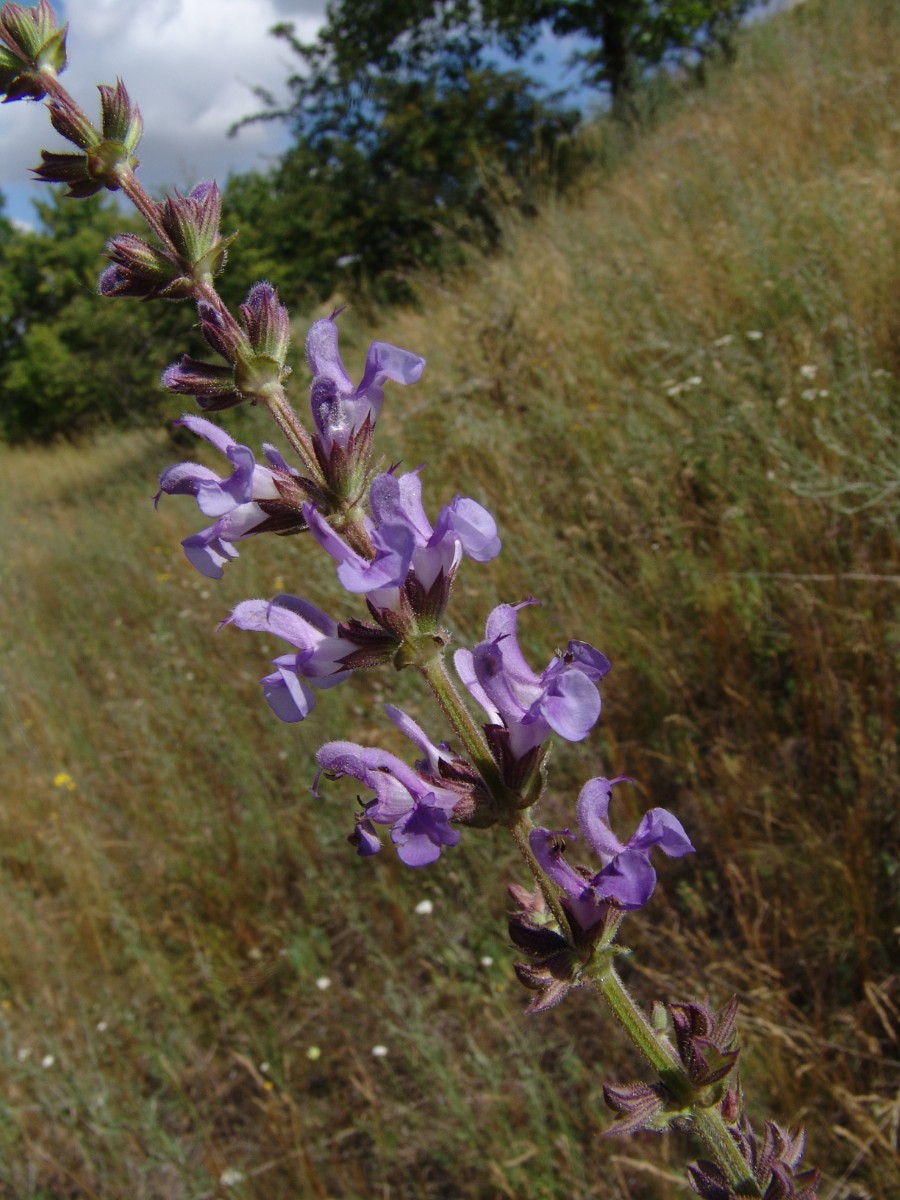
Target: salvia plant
x=399, y=567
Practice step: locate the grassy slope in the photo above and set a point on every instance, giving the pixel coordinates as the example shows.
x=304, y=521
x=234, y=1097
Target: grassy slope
x=700, y=503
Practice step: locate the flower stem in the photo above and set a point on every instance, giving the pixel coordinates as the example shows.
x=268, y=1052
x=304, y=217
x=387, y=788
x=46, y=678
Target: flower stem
x=434, y=671
x=657, y=1052
x=287, y=421
x=710, y=1126
x=147, y=207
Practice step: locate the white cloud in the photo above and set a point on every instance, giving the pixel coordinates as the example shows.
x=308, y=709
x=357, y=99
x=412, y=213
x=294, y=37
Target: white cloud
x=190, y=65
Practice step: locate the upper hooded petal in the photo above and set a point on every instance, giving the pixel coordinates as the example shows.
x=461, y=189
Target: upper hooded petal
x=593, y=818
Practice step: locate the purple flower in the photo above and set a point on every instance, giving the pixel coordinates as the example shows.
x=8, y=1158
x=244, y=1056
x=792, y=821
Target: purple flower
x=319, y=657
x=339, y=409
x=626, y=877
x=463, y=527
x=384, y=573
x=404, y=541
x=416, y=809
x=236, y=501
x=563, y=698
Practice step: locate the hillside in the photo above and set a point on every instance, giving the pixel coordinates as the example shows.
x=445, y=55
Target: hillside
x=678, y=394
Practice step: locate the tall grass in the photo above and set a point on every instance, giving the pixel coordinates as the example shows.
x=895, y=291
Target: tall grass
x=679, y=395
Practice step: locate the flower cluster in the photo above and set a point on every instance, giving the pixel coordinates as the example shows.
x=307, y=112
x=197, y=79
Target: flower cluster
x=195, y=253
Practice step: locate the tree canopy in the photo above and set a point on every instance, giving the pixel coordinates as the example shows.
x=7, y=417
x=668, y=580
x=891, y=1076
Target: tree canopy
x=69, y=363
x=395, y=170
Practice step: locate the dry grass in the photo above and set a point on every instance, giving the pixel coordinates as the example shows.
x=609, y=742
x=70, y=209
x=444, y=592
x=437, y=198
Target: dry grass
x=716, y=510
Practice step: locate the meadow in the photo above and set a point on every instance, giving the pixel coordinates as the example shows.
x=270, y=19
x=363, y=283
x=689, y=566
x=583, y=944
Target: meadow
x=678, y=393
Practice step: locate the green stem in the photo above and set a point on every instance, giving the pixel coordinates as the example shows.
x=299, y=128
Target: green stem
x=147, y=207
x=287, y=421
x=658, y=1053
x=710, y=1126
x=434, y=671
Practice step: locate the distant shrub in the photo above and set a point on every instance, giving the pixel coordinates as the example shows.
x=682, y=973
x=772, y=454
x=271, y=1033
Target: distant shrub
x=69, y=364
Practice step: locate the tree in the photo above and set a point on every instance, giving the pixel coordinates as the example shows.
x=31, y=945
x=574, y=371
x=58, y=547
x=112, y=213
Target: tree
x=629, y=37
x=408, y=135
x=623, y=38
x=67, y=362
x=402, y=148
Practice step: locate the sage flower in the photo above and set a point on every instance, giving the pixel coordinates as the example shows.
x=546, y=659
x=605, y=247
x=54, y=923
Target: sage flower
x=320, y=651
x=415, y=809
x=408, y=550
x=340, y=410
x=563, y=698
x=252, y=499
x=626, y=877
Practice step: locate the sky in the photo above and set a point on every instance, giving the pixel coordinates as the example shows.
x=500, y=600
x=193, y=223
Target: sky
x=190, y=65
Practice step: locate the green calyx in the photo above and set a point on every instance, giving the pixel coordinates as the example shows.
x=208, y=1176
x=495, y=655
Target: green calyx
x=108, y=161
x=420, y=649
x=258, y=376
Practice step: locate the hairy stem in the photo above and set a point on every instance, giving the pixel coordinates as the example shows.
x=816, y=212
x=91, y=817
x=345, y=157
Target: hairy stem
x=289, y=424
x=434, y=671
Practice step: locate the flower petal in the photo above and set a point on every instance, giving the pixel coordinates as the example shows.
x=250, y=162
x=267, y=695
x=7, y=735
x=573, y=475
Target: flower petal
x=659, y=828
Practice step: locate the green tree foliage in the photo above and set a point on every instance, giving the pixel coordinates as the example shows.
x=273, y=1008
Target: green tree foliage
x=70, y=361
x=626, y=38
x=621, y=39
x=409, y=139
x=397, y=159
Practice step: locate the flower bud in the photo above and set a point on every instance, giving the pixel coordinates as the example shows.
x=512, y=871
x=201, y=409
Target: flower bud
x=108, y=155
x=212, y=385
x=221, y=331
x=267, y=322
x=69, y=121
x=120, y=122
x=141, y=270
x=192, y=223
x=706, y=1040
x=32, y=47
